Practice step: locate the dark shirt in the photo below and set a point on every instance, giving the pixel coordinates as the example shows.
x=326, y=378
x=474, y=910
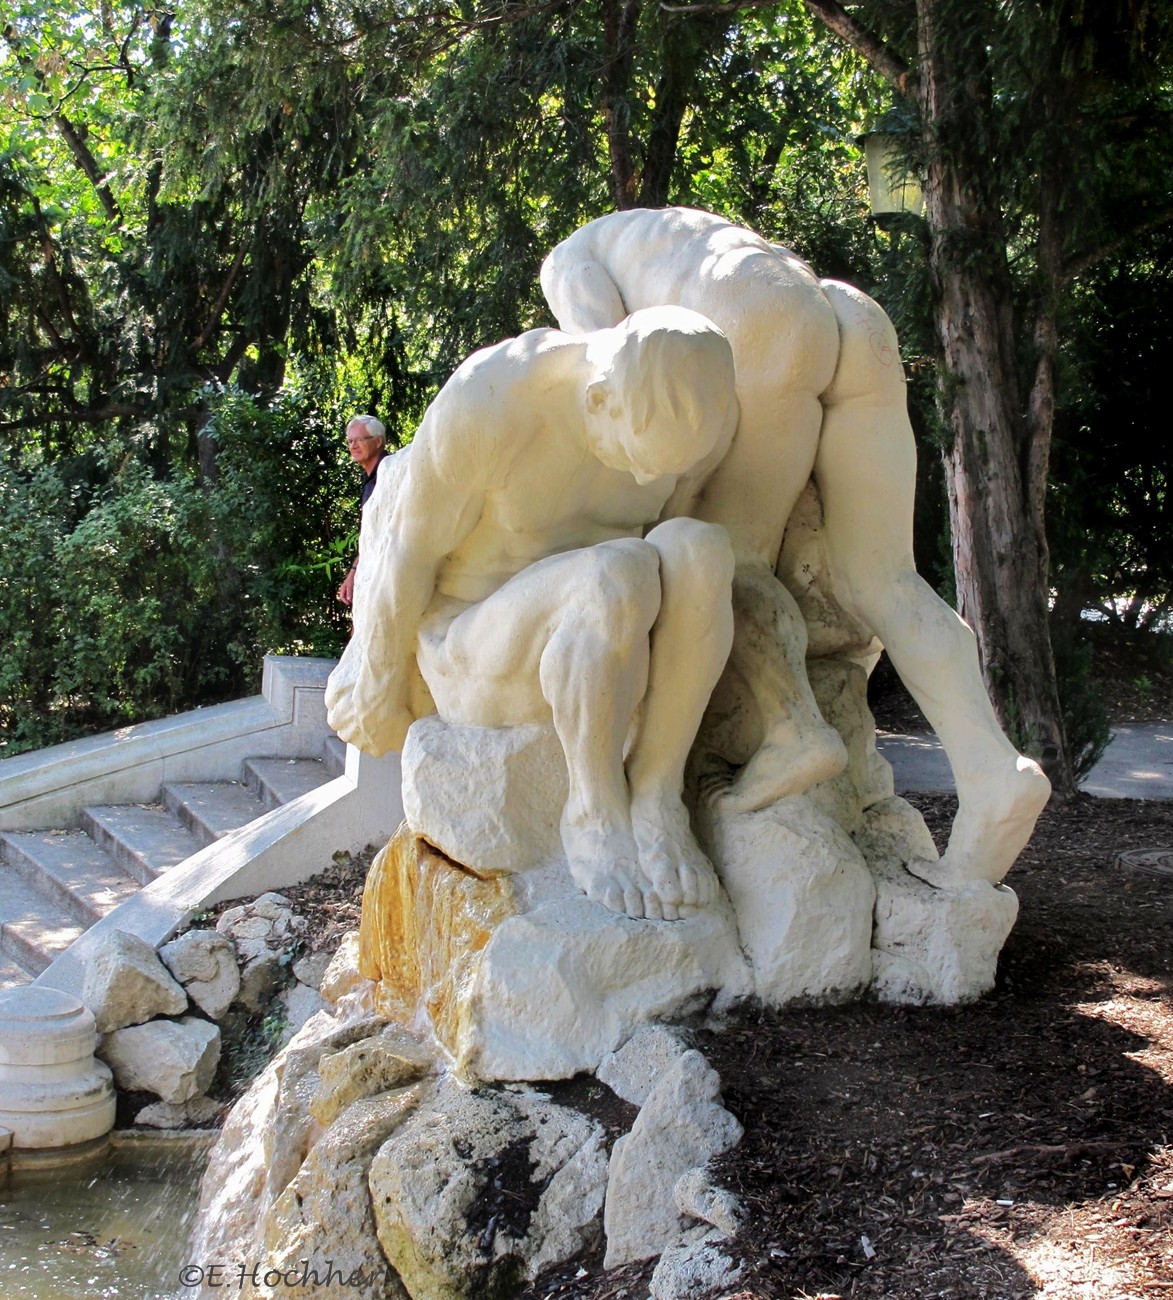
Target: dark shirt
x=369, y=480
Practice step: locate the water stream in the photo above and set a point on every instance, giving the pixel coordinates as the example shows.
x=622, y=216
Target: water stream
x=117, y=1226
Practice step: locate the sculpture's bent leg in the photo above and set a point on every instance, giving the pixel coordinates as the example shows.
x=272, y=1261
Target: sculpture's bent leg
x=799, y=749
x=752, y=494
x=567, y=637
x=866, y=473
x=689, y=646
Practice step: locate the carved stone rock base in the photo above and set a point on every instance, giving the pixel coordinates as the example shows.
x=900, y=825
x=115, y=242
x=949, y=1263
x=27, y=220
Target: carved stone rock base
x=803, y=898
x=524, y=977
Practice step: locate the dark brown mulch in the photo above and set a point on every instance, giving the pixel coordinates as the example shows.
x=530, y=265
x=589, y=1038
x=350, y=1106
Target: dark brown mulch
x=1014, y=1148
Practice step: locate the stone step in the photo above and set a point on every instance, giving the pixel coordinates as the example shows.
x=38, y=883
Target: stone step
x=68, y=867
x=13, y=976
x=334, y=755
x=33, y=930
x=211, y=809
x=143, y=839
x=276, y=781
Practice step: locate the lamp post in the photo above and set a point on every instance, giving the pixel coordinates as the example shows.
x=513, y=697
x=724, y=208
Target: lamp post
x=892, y=185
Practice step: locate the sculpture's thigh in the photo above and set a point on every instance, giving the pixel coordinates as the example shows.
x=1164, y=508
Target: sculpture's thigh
x=866, y=464
x=483, y=662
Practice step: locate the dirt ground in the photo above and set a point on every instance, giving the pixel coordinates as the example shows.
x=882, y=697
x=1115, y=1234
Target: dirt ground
x=1020, y=1147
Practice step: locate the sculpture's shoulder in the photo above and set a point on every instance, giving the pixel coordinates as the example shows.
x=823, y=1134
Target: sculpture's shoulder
x=489, y=409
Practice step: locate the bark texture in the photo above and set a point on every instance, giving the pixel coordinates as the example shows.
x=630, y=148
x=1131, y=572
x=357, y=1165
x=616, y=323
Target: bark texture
x=996, y=464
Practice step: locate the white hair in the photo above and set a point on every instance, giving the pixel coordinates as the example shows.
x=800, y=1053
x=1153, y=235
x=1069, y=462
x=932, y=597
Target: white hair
x=371, y=426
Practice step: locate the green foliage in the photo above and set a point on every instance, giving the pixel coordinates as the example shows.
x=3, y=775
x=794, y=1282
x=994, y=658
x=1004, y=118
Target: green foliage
x=140, y=596
x=33, y=511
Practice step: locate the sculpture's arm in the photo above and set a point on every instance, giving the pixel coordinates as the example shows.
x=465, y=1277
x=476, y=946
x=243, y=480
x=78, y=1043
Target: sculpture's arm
x=424, y=514
x=581, y=293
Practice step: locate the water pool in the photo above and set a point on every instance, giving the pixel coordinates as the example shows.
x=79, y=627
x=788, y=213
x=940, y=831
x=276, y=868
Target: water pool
x=115, y=1226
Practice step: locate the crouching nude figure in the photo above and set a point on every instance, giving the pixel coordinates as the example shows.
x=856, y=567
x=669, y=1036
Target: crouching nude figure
x=821, y=391
x=511, y=567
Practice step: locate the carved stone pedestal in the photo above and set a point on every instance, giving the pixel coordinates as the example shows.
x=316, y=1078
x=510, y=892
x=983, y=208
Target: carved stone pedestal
x=524, y=977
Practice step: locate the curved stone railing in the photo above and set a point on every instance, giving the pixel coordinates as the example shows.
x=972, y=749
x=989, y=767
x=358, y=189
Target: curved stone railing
x=282, y=848
x=50, y=787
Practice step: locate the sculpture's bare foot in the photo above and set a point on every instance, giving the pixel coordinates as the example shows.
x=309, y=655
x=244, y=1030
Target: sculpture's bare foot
x=996, y=815
x=604, y=864
x=681, y=876
x=787, y=763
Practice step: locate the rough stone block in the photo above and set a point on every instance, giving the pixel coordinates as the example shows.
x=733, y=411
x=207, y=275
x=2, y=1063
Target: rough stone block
x=560, y=987
x=342, y=974
x=388, y=1060
x=936, y=946
x=126, y=983
x=695, y=1270
x=479, y=1189
x=681, y=1126
x=698, y=1197
x=325, y=1217
x=803, y=897
x=635, y=1069
x=196, y=1113
x=204, y=962
x=489, y=797
x=174, y=1059
x=264, y=1143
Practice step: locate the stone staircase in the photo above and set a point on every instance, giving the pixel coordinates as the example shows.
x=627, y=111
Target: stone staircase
x=54, y=884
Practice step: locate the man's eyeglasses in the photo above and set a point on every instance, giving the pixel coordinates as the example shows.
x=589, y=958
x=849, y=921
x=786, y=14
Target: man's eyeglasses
x=367, y=437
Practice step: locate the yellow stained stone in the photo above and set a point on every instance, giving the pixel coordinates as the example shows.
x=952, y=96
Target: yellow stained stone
x=425, y=921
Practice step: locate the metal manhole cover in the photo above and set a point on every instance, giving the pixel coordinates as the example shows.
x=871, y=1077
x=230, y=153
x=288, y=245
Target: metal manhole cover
x=1157, y=862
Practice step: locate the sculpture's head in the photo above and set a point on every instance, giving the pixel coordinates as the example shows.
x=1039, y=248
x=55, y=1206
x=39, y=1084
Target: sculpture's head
x=663, y=393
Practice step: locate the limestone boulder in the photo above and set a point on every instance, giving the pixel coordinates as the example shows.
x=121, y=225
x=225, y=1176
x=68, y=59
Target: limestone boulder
x=324, y=1216
x=204, y=962
x=309, y=969
x=385, y=1061
x=802, y=895
x=264, y=1143
x=698, y=1197
x=634, y=1069
x=695, y=1270
x=174, y=1059
x=199, y=1112
x=299, y=1003
x=523, y=977
x=341, y=975
x=126, y=984
x=490, y=798
x=479, y=1189
x=681, y=1126
x=265, y=933
x=561, y=986
x=937, y=947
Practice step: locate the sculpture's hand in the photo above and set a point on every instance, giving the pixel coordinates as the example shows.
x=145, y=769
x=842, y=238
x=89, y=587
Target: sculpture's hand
x=366, y=714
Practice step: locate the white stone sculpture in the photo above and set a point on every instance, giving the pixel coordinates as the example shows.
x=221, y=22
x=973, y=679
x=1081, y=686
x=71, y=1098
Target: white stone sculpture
x=821, y=392
x=515, y=565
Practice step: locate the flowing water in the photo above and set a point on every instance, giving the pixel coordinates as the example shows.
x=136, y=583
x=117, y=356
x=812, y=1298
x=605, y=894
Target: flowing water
x=117, y=1226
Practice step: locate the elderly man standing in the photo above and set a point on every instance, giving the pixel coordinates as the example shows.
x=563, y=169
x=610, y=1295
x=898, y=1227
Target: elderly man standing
x=366, y=440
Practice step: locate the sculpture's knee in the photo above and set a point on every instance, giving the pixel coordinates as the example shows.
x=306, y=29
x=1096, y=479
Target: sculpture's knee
x=619, y=590
x=696, y=552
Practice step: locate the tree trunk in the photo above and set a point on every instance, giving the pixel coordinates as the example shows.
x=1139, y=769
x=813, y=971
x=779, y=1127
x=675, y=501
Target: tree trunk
x=620, y=20
x=995, y=473
x=685, y=45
